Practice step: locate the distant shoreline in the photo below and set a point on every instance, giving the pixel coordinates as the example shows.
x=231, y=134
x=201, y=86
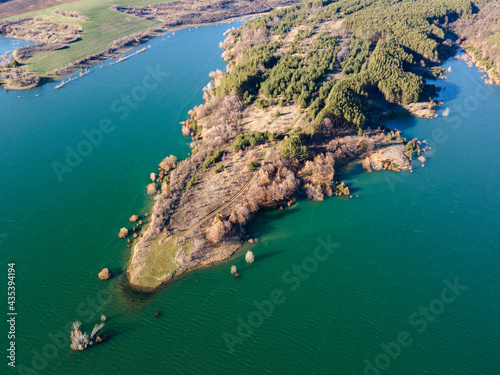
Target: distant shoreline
x=129, y=42
x=108, y=54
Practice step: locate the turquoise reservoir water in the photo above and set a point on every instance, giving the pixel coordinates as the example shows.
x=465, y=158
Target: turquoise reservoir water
x=403, y=280
x=10, y=44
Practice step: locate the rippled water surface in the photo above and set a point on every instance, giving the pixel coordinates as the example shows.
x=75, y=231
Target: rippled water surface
x=385, y=258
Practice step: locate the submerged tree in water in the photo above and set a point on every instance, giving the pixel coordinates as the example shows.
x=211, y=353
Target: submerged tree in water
x=123, y=233
x=249, y=257
x=81, y=340
x=151, y=189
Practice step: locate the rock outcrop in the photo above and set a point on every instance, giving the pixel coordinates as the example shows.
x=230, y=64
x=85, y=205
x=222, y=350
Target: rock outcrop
x=104, y=274
x=390, y=157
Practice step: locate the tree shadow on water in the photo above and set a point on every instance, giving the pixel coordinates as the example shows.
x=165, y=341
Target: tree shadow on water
x=269, y=254
x=351, y=171
x=259, y=260
x=265, y=222
x=448, y=92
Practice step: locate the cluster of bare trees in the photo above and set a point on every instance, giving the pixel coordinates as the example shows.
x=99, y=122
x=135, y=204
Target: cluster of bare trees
x=168, y=163
x=216, y=76
x=276, y=183
x=314, y=192
x=81, y=340
x=248, y=38
x=240, y=215
x=151, y=188
x=218, y=228
x=482, y=30
x=123, y=233
x=40, y=30
x=161, y=214
x=134, y=39
x=318, y=175
x=320, y=170
x=178, y=178
x=199, y=244
x=6, y=59
x=219, y=118
x=21, y=77
x=218, y=107
x=344, y=148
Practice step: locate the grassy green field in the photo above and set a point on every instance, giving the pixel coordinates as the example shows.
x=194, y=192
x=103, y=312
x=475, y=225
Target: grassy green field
x=161, y=261
x=103, y=27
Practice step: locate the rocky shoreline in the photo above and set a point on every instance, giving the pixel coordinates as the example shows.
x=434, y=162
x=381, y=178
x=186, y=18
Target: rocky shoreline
x=200, y=215
x=252, y=152
x=478, y=37
x=492, y=75
x=197, y=235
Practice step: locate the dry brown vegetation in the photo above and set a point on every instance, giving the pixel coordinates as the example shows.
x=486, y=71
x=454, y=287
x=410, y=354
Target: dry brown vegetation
x=482, y=31
x=53, y=36
x=168, y=163
x=218, y=117
x=151, y=189
x=233, y=51
x=318, y=175
x=20, y=77
x=123, y=233
x=200, y=216
x=40, y=30
x=71, y=14
x=192, y=12
x=22, y=54
x=216, y=231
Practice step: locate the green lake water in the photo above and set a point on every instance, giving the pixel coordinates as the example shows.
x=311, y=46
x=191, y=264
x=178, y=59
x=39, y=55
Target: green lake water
x=392, y=252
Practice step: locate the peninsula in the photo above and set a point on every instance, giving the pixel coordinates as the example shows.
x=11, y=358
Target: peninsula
x=305, y=93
